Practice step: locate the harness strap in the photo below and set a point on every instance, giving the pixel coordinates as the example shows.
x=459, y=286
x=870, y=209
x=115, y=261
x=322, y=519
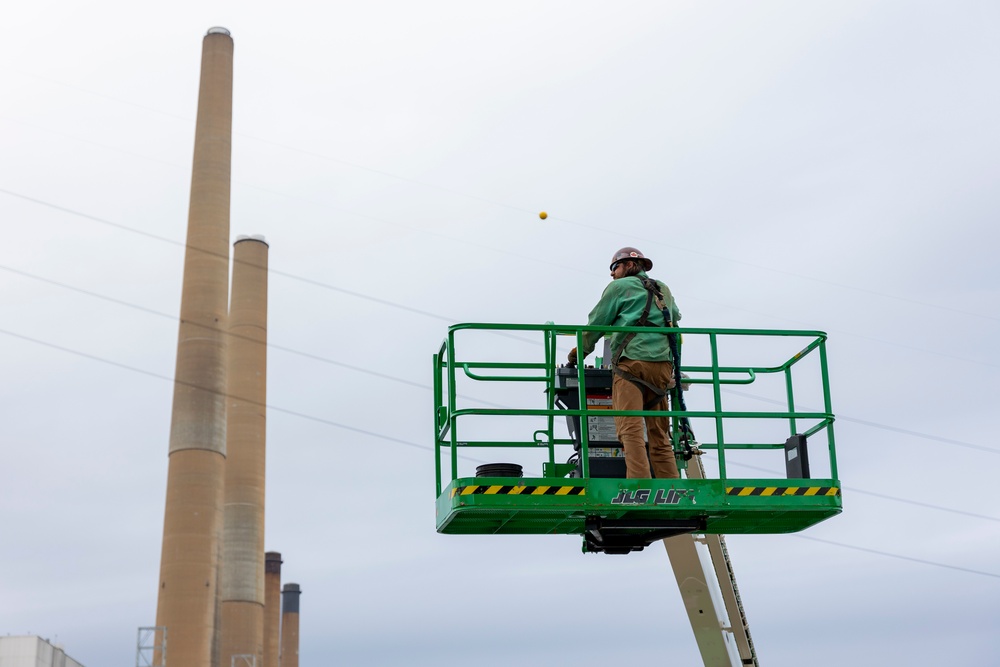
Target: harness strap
x=658, y=393
x=684, y=434
x=652, y=289
x=643, y=321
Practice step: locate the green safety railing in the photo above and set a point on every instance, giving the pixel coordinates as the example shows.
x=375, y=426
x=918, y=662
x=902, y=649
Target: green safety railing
x=448, y=364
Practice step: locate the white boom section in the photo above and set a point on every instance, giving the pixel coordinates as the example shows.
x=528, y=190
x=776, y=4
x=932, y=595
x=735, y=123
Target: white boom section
x=708, y=587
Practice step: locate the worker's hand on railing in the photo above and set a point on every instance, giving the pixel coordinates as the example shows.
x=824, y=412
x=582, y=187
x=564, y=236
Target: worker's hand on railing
x=571, y=359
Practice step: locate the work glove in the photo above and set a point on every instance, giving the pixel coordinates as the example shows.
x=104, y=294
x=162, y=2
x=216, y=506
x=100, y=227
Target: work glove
x=571, y=359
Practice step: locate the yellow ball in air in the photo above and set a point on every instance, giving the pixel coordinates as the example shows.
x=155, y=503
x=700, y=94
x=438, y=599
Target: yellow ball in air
x=543, y=215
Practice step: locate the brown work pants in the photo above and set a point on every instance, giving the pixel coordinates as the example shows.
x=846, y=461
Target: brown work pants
x=626, y=395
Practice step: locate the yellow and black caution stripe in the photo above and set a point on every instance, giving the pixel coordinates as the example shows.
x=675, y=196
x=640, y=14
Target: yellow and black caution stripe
x=498, y=490
x=782, y=491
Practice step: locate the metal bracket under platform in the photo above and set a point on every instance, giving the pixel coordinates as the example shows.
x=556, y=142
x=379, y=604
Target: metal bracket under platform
x=622, y=536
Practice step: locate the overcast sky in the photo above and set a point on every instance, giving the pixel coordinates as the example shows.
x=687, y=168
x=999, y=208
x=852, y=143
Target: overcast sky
x=821, y=165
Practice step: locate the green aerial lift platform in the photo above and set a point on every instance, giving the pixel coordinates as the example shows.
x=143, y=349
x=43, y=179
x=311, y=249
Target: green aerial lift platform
x=588, y=495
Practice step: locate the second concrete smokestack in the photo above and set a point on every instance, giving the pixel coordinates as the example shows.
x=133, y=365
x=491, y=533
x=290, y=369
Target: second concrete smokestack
x=189, y=562
x=272, y=608
x=290, y=625
x=242, y=586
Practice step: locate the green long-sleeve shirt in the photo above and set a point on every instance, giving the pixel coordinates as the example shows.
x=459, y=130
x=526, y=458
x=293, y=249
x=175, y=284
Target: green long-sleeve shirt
x=621, y=306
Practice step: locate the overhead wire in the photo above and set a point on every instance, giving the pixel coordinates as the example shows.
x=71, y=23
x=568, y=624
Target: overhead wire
x=427, y=387
x=359, y=214
x=884, y=496
x=381, y=220
x=181, y=244
x=445, y=318
x=886, y=427
x=983, y=573
x=269, y=344
x=854, y=334
x=571, y=222
x=410, y=443
x=493, y=202
x=368, y=216
x=392, y=304
x=268, y=406
x=326, y=205
x=271, y=270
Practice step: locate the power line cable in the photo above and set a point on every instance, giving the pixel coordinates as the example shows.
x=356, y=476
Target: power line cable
x=409, y=443
x=107, y=97
x=491, y=248
x=277, y=272
x=307, y=355
x=926, y=436
x=917, y=503
x=180, y=244
x=421, y=385
x=886, y=427
x=435, y=316
x=657, y=242
x=854, y=334
x=65, y=135
x=474, y=244
x=326, y=205
x=268, y=406
x=900, y=556
x=884, y=496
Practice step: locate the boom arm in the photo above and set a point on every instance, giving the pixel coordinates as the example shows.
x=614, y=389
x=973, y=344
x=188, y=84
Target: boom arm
x=711, y=598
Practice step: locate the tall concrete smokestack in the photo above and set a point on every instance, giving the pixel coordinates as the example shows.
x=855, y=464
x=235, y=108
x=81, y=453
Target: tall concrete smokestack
x=272, y=608
x=242, y=586
x=187, y=603
x=290, y=625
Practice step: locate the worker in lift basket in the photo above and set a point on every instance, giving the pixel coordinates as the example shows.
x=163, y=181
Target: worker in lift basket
x=642, y=363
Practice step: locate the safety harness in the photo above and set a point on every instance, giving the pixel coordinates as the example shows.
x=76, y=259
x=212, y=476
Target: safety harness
x=653, y=292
